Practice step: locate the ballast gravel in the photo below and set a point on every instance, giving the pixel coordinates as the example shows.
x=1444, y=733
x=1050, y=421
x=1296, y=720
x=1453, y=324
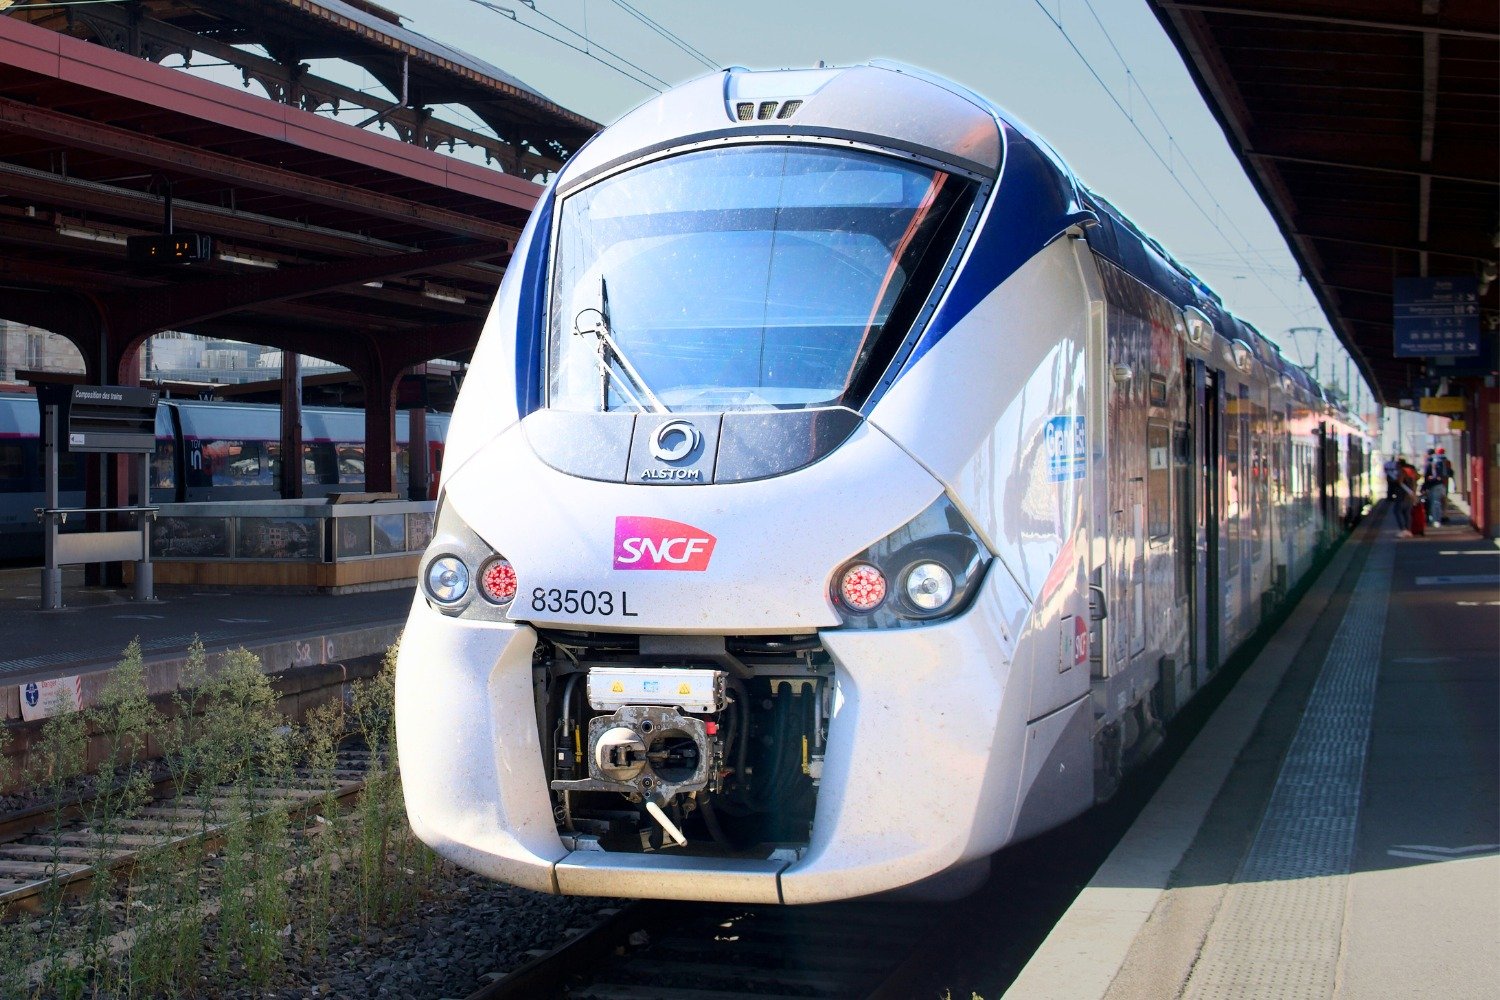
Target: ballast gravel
x=464, y=932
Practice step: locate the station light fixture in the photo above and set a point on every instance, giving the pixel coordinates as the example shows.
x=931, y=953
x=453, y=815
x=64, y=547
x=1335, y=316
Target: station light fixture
x=231, y=257
x=97, y=235
x=442, y=294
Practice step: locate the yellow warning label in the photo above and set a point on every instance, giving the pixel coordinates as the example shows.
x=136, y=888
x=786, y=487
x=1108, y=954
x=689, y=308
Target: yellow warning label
x=617, y=688
x=684, y=689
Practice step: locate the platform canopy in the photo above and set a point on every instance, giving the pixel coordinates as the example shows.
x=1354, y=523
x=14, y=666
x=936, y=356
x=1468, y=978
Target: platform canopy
x=369, y=248
x=1371, y=130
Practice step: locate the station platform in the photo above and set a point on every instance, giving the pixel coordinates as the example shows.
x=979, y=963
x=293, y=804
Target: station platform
x=1334, y=829
x=87, y=637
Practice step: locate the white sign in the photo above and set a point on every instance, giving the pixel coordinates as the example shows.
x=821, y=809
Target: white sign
x=44, y=699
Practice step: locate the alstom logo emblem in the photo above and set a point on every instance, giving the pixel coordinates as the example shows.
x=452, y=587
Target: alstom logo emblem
x=656, y=543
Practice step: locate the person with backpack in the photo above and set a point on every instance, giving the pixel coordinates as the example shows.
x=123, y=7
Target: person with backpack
x=1439, y=472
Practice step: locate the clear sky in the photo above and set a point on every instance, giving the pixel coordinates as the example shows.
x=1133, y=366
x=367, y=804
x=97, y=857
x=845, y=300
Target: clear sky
x=1179, y=181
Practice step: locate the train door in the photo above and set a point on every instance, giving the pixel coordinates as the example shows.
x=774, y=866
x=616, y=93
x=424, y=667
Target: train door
x=1208, y=436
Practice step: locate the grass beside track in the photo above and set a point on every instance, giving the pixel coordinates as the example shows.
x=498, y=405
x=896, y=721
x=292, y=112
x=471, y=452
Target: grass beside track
x=266, y=878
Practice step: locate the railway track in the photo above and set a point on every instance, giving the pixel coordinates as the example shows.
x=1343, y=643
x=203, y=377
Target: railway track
x=44, y=846
x=652, y=950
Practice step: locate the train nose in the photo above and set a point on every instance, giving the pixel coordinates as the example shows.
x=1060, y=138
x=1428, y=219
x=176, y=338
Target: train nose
x=745, y=557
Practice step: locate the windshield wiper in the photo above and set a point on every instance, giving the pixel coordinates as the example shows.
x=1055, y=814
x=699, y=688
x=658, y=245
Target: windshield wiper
x=595, y=321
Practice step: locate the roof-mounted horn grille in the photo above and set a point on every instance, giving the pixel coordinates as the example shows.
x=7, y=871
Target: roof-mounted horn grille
x=765, y=111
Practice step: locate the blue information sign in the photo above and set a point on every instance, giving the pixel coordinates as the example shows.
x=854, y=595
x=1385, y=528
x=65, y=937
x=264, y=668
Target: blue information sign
x=1436, y=317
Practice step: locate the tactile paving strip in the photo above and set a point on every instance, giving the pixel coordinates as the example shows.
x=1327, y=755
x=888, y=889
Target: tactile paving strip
x=1278, y=931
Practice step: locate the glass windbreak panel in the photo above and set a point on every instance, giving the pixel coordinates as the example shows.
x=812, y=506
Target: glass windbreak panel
x=745, y=278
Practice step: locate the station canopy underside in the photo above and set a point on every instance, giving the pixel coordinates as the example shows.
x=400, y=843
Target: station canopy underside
x=329, y=240
x=1371, y=130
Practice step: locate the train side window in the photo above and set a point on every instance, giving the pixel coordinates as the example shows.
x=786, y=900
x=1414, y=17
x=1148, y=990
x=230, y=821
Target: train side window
x=320, y=464
x=236, y=463
x=351, y=461
x=13, y=467
x=163, y=465
x=1158, y=481
x=71, y=474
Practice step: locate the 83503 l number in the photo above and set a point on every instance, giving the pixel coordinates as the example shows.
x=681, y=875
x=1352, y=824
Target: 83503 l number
x=603, y=603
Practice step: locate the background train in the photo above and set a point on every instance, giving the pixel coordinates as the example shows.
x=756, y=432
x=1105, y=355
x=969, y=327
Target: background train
x=840, y=492
x=204, y=451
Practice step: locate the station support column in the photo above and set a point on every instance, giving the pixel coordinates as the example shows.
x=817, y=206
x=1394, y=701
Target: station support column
x=291, y=425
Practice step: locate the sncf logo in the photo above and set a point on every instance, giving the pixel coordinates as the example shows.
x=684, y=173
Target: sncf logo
x=656, y=543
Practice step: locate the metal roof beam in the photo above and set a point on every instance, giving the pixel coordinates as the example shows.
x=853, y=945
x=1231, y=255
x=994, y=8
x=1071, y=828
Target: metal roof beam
x=161, y=154
x=1465, y=162
x=74, y=194
x=175, y=305
x=1335, y=15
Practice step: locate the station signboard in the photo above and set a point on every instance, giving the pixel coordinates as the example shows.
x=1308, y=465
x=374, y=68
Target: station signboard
x=1441, y=404
x=1436, y=317
x=118, y=419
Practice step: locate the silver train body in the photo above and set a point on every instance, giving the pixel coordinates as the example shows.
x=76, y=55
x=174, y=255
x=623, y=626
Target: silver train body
x=840, y=492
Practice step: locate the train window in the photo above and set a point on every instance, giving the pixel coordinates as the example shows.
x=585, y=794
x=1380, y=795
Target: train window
x=744, y=278
x=233, y=463
x=13, y=467
x=403, y=464
x=351, y=461
x=164, y=465
x=1158, y=481
x=320, y=464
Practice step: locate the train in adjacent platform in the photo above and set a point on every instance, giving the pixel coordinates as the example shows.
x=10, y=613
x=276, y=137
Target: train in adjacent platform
x=840, y=492
x=205, y=450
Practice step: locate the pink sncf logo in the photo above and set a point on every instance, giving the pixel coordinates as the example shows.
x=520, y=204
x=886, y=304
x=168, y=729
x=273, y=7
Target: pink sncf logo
x=656, y=543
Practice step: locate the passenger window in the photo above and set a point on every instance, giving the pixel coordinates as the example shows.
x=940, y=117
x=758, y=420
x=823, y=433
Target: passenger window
x=351, y=462
x=163, y=465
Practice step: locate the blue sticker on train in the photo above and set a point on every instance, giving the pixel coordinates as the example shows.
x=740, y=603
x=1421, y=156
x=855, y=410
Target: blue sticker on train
x=1067, y=449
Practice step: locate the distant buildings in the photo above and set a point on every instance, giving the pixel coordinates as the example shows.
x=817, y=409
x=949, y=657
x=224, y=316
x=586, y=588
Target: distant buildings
x=169, y=357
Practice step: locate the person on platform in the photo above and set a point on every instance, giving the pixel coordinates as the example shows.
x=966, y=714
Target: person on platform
x=1406, y=482
x=1435, y=484
x=1392, y=466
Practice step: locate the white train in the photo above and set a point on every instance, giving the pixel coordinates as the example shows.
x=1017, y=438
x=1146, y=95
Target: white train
x=841, y=491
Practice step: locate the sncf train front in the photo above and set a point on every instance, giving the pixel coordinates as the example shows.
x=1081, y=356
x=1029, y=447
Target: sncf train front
x=759, y=573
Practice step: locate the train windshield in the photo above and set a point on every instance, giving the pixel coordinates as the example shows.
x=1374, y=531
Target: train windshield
x=744, y=278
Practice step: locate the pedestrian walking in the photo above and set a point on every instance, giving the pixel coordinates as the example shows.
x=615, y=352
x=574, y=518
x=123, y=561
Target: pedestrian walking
x=1406, y=483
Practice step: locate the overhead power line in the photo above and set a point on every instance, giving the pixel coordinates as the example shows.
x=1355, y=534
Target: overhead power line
x=1156, y=152
x=663, y=32
x=510, y=13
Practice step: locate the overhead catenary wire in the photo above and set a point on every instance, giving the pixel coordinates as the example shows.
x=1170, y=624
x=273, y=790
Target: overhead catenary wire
x=669, y=36
x=1171, y=139
x=1109, y=92
x=512, y=15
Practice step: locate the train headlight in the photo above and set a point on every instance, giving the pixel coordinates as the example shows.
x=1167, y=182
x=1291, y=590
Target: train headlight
x=458, y=564
x=498, y=581
x=929, y=586
x=447, y=579
x=933, y=564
